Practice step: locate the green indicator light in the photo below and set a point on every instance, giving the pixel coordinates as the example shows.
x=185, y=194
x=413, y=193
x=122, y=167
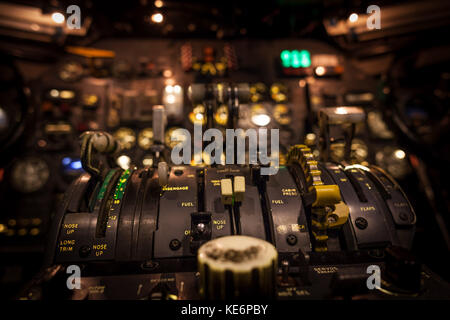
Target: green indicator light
x=295, y=59
x=285, y=58
x=305, y=58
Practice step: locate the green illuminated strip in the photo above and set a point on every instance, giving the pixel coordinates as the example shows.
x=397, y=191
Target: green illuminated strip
x=102, y=191
x=120, y=188
x=295, y=59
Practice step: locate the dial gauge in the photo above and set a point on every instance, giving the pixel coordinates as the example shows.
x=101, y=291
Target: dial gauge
x=145, y=138
x=359, y=151
x=178, y=137
x=198, y=115
x=71, y=71
x=278, y=92
x=90, y=101
x=126, y=137
x=282, y=115
x=258, y=92
x=394, y=161
x=29, y=174
x=221, y=115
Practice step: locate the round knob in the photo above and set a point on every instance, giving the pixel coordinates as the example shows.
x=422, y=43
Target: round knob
x=237, y=267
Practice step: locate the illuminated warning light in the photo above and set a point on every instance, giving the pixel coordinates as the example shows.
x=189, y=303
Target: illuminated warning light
x=71, y=165
x=295, y=59
x=157, y=18
x=58, y=17
x=320, y=71
x=324, y=71
x=66, y=161
x=76, y=165
x=400, y=154
x=353, y=17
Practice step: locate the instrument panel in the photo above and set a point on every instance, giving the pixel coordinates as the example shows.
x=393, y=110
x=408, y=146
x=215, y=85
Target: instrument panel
x=116, y=94
x=113, y=86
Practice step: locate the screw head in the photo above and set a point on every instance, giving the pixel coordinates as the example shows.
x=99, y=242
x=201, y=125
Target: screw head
x=84, y=251
x=149, y=265
x=404, y=216
x=361, y=223
x=291, y=239
x=332, y=218
x=175, y=244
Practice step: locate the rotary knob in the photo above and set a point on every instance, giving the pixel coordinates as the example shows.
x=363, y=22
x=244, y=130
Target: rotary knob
x=236, y=267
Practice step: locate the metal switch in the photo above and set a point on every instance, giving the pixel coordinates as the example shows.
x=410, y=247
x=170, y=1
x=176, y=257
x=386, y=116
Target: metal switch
x=163, y=174
x=239, y=188
x=226, y=190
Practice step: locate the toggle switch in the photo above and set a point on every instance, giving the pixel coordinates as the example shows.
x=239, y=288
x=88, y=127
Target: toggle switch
x=159, y=123
x=239, y=188
x=163, y=173
x=226, y=191
x=200, y=229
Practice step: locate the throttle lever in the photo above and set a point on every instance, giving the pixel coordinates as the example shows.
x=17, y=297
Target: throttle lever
x=103, y=143
x=345, y=120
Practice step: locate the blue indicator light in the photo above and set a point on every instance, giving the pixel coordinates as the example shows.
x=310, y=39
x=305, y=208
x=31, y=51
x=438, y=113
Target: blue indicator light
x=75, y=165
x=66, y=161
